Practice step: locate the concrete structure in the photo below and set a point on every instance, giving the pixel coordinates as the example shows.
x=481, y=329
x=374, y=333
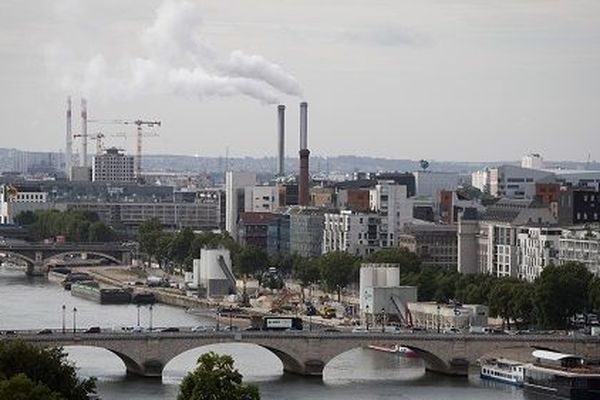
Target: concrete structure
x=391, y=202
x=304, y=176
x=261, y=199
x=280, y=140
x=213, y=273
x=354, y=233
x=81, y=174
x=481, y=180
x=516, y=182
x=323, y=197
x=582, y=246
x=113, y=166
x=15, y=199
x=436, y=245
x=306, y=231
x=430, y=183
x=446, y=317
x=235, y=184
x=353, y=199
x=307, y=353
x=538, y=247
x=380, y=304
x=532, y=161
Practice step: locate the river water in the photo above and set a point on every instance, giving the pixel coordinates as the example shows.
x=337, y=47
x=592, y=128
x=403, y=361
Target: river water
x=34, y=303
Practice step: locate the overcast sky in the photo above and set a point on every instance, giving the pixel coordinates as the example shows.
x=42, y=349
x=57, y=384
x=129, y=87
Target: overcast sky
x=441, y=79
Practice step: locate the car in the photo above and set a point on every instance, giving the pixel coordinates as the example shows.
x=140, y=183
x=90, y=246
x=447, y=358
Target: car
x=203, y=328
x=170, y=329
x=138, y=329
x=10, y=332
x=360, y=329
x=93, y=329
x=45, y=332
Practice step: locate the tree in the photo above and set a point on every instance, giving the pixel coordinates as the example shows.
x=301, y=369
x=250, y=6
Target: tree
x=181, y=245
x=149, y=233
x=41, y=366
x=215, y=379
x=594, y=294
x=501, y=299
x=20, y=387
x=560, y=292
x=26, y=218
x=306, y=272
x=338, y=269
x=408, y=261
x=100, y=232
x=251, y=260
x=523, y=303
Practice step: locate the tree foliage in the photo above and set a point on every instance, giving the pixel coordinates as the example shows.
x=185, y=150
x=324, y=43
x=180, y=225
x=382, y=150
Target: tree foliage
x=561, y=292
x=29, y=369
x=338, y=270
x=74, y=225
x=215, y=378
x=250, y=261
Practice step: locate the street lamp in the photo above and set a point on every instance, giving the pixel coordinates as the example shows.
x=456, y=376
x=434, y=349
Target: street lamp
x=74, y=320
x=367, y=316
x=438, y=318
x=138, y=315
x=382, y=320
x=150, y=320
x=64, y=318
x=218, y=318
x=230, y=318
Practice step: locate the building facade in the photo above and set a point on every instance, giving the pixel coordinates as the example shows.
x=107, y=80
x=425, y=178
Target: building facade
x=306, y=231
x=354, y=233
x=436, y=245
x=113, y=166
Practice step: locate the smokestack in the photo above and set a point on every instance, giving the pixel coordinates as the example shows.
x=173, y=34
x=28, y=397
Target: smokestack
x=303, y=195
x=281, y=140
x=84, y=135
x=69, y=143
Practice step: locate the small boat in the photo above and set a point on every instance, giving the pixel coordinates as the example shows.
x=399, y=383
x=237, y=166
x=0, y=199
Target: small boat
x=395, y=349
x=502, y=370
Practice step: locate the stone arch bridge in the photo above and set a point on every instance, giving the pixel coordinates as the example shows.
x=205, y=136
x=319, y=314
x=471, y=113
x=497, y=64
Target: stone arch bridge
x=38, y=255
x=307, y=353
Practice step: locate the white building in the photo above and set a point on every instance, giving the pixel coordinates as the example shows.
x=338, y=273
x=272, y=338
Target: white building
x=113, y=166
x=15, y=199
x=481, y=180
x=516, y=182
x=430, y=183
x=394, y=208
x=212, y=272
x=538, y=247
x=532, y=161
x=354, y=233
x=235, y=184
x=261, y=199
x=582, y=246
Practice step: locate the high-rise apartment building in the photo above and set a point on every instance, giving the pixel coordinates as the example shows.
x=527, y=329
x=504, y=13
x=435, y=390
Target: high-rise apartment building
x=113, y=166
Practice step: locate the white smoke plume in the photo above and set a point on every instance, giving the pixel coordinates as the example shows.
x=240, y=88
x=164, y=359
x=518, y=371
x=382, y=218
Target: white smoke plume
x=177, y=60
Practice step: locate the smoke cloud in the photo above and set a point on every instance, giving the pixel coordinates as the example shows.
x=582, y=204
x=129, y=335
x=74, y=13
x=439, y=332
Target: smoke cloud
x=176, y=60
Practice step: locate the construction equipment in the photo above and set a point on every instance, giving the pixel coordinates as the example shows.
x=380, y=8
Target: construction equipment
x=138, y=123
x=99, y=137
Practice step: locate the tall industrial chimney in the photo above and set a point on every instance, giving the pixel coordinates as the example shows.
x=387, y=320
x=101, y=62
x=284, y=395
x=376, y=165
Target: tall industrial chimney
x=84, y=135
x=303, y=195
x=69, y=141
x=281, y=140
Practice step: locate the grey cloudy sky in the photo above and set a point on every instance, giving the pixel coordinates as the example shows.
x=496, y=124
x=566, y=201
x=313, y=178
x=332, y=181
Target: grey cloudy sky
x=439, y=79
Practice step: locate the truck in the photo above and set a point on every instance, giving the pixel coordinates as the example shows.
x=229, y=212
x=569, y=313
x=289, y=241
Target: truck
x=280, y=323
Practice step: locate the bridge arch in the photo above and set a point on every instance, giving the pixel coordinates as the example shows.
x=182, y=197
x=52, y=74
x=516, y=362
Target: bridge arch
x=287, y=362
x=130, y=365
x=30, y=261
x=431, y=360
x=94, y=253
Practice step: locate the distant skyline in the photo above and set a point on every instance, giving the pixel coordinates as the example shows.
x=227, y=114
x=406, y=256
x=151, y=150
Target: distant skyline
x=435, y=79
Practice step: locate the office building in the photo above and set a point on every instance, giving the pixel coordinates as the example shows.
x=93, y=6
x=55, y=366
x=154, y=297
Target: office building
x=113, y=166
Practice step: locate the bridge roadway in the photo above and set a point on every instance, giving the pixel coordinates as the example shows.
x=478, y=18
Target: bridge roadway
x=307, y=353
x=38, y=255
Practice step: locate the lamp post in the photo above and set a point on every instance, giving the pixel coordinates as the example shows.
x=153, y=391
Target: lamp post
x=150, y=320
x=74, y=320
x=138, y=315
x=382, y=320
x=438, y=318
x=310, y=323
x=64, y=318
x=230, y=318
x=367, y=316
x=218, y=318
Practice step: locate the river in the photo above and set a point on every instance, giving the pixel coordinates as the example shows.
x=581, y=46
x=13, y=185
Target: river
x=34, y=303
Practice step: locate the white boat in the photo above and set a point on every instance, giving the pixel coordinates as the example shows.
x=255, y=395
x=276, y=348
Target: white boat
x=503, y=370
x=400, y=350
